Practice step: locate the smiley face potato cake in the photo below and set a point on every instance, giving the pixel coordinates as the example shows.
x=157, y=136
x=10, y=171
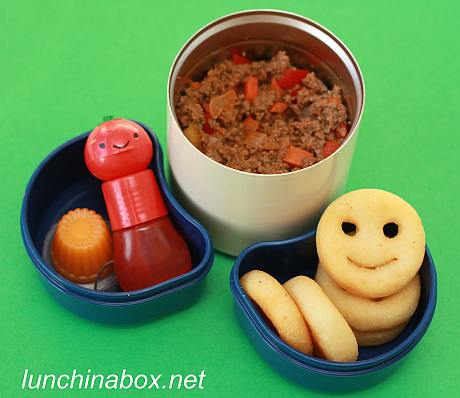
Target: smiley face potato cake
x=369, y=315
x=370, y=242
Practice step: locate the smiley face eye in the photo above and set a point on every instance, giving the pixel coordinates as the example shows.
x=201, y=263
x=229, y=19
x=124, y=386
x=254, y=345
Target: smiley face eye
x=102, y=145
x=136, y=135
x=390, y=230
x=349, y=228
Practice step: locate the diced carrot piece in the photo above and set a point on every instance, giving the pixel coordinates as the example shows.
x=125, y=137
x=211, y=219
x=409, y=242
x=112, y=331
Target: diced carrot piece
x=251, y=88
x=330, y=147
x=279, y=107
x=342, y=130
x=291, y=77
x=295, y=156
x=274, y=85
x=238, y=59
x=195, y=84
x=250, y=124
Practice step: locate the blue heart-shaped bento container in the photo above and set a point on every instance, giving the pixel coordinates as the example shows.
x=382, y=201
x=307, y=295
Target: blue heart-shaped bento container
x=297, y=256
x=61, y=183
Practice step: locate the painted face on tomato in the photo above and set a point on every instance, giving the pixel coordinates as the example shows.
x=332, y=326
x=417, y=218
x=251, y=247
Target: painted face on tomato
x=371, y=242
x=117, y=148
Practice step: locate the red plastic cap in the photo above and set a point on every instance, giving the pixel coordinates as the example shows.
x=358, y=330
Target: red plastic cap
x=117, y=148
x=133, y=200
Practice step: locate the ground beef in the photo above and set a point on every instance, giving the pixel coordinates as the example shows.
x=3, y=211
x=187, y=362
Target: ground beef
x=263, y=116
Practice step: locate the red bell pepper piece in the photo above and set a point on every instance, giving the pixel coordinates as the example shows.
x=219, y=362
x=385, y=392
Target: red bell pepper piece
x=330, y=147
x=291, y=77
x=238, y=59
x=207, y=128
x=342, y=130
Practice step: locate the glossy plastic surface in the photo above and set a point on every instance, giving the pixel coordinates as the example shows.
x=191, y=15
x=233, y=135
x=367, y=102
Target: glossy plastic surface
x=118, y=152
x=149, y=254
x=82, y=245
x=297, y=256
x=62, y=182
x=133, y=199
x=116, y=148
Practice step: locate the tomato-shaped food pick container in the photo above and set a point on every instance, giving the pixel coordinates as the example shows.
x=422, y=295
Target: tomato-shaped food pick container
x=147, y=247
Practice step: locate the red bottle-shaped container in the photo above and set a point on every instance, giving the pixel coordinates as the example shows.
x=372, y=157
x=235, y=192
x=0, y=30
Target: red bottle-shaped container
x=147, y=247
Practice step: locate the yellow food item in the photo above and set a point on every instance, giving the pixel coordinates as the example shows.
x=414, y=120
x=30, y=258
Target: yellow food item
x=377, y=337
x=332, y=337
x=193, y=133
x=370, y=242
x=369, y=315
x=279, y=308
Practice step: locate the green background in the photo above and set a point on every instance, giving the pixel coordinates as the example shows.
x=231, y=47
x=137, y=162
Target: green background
x=66, y=64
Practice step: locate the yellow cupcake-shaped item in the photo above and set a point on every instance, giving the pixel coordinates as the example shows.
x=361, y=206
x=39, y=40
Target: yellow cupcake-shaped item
x=82, y=244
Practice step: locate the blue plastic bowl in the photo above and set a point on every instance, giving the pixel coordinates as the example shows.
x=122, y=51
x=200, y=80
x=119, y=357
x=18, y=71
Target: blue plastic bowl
x=297, y=256
x=61, y=183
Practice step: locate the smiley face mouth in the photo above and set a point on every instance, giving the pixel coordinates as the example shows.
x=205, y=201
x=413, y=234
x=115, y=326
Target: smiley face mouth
x=368, y=266
x=121, y=146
